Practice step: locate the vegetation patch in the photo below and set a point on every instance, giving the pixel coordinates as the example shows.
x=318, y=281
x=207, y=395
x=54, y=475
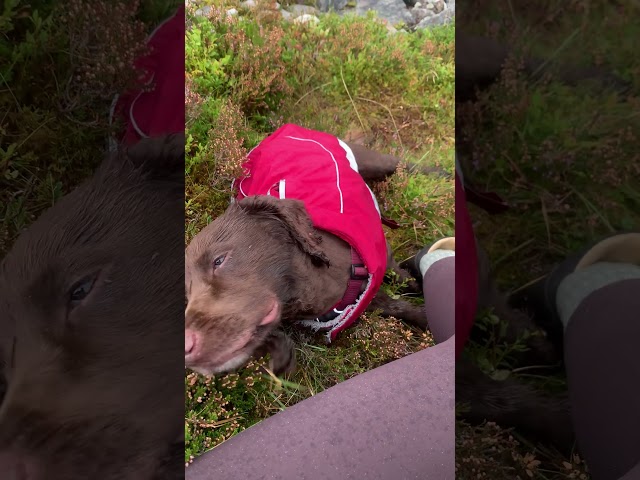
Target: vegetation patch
x=566, y=160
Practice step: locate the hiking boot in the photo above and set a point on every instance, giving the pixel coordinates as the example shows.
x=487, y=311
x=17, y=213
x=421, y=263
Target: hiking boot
x=539, y=299
x=412, y=264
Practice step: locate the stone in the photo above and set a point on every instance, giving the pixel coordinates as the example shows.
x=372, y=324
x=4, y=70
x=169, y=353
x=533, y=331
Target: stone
x=248, y=4
x=232, y=12
x=306, y=18
x=286, y=15
x=326, y=5
x=440, y=19
x=418, y=5
x=420, y=13
x=443, y=12
x=203, y=12
x=393, y=11
x=298, y=10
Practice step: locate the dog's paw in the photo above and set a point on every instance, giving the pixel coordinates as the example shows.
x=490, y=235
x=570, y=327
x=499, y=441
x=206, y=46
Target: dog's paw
x=413, y=286
x=283, y=353
x=283, y=362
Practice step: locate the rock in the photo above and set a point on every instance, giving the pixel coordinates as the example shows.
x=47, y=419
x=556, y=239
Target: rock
x=418, y=5
x=248, y=4
x=395, y=31
x=286, y=15
x=442, y=12
x=326, y=5
x=278, y=7
x=203, y=12
x=306, y=18
x=420, y=13
x=232, y=12
x=393, y=11
x=441, y=18
x=298, y=10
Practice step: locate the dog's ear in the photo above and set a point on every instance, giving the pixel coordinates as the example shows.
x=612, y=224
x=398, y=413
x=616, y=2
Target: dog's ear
x=159, y=157
x=294, y=217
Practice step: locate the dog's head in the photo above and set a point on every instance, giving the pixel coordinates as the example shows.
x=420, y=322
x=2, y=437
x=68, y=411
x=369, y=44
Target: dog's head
x=89, y=296
x=240, y=273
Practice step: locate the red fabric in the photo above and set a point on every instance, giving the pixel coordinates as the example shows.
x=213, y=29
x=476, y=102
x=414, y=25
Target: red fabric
x=316, y=170
x=466, y=271
x=161, y=110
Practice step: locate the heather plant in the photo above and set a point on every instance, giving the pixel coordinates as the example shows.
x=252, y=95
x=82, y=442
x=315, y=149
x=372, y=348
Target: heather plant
x=104, y=40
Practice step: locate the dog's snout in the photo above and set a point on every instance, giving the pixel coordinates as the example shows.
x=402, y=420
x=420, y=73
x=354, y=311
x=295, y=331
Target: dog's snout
x=190, y=342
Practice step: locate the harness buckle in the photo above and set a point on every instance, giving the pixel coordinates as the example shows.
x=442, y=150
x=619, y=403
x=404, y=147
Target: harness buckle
x=359, y=272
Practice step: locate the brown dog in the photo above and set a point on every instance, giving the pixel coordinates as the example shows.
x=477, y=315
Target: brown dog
x=89, y=298
x=262, y=264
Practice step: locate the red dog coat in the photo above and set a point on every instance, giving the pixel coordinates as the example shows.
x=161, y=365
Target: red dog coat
x=158, y=110
x=466, y=271
x=321, y=170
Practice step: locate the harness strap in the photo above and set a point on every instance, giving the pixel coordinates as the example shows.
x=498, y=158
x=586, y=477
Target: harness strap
x=359, y=274
x=390, y=222
x=490, y=202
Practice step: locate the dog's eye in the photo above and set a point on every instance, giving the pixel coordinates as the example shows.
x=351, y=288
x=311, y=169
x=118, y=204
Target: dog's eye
x=219, y=261
x=80, y=290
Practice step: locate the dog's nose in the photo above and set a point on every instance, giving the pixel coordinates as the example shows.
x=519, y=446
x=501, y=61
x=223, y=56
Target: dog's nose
x=190, y=340
x=15, y=467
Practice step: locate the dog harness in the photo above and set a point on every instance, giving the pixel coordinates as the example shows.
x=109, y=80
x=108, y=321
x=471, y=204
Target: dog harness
x=321, y=170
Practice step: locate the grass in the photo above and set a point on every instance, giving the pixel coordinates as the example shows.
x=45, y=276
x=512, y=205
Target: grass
x=566, y=159
x=346, y=76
